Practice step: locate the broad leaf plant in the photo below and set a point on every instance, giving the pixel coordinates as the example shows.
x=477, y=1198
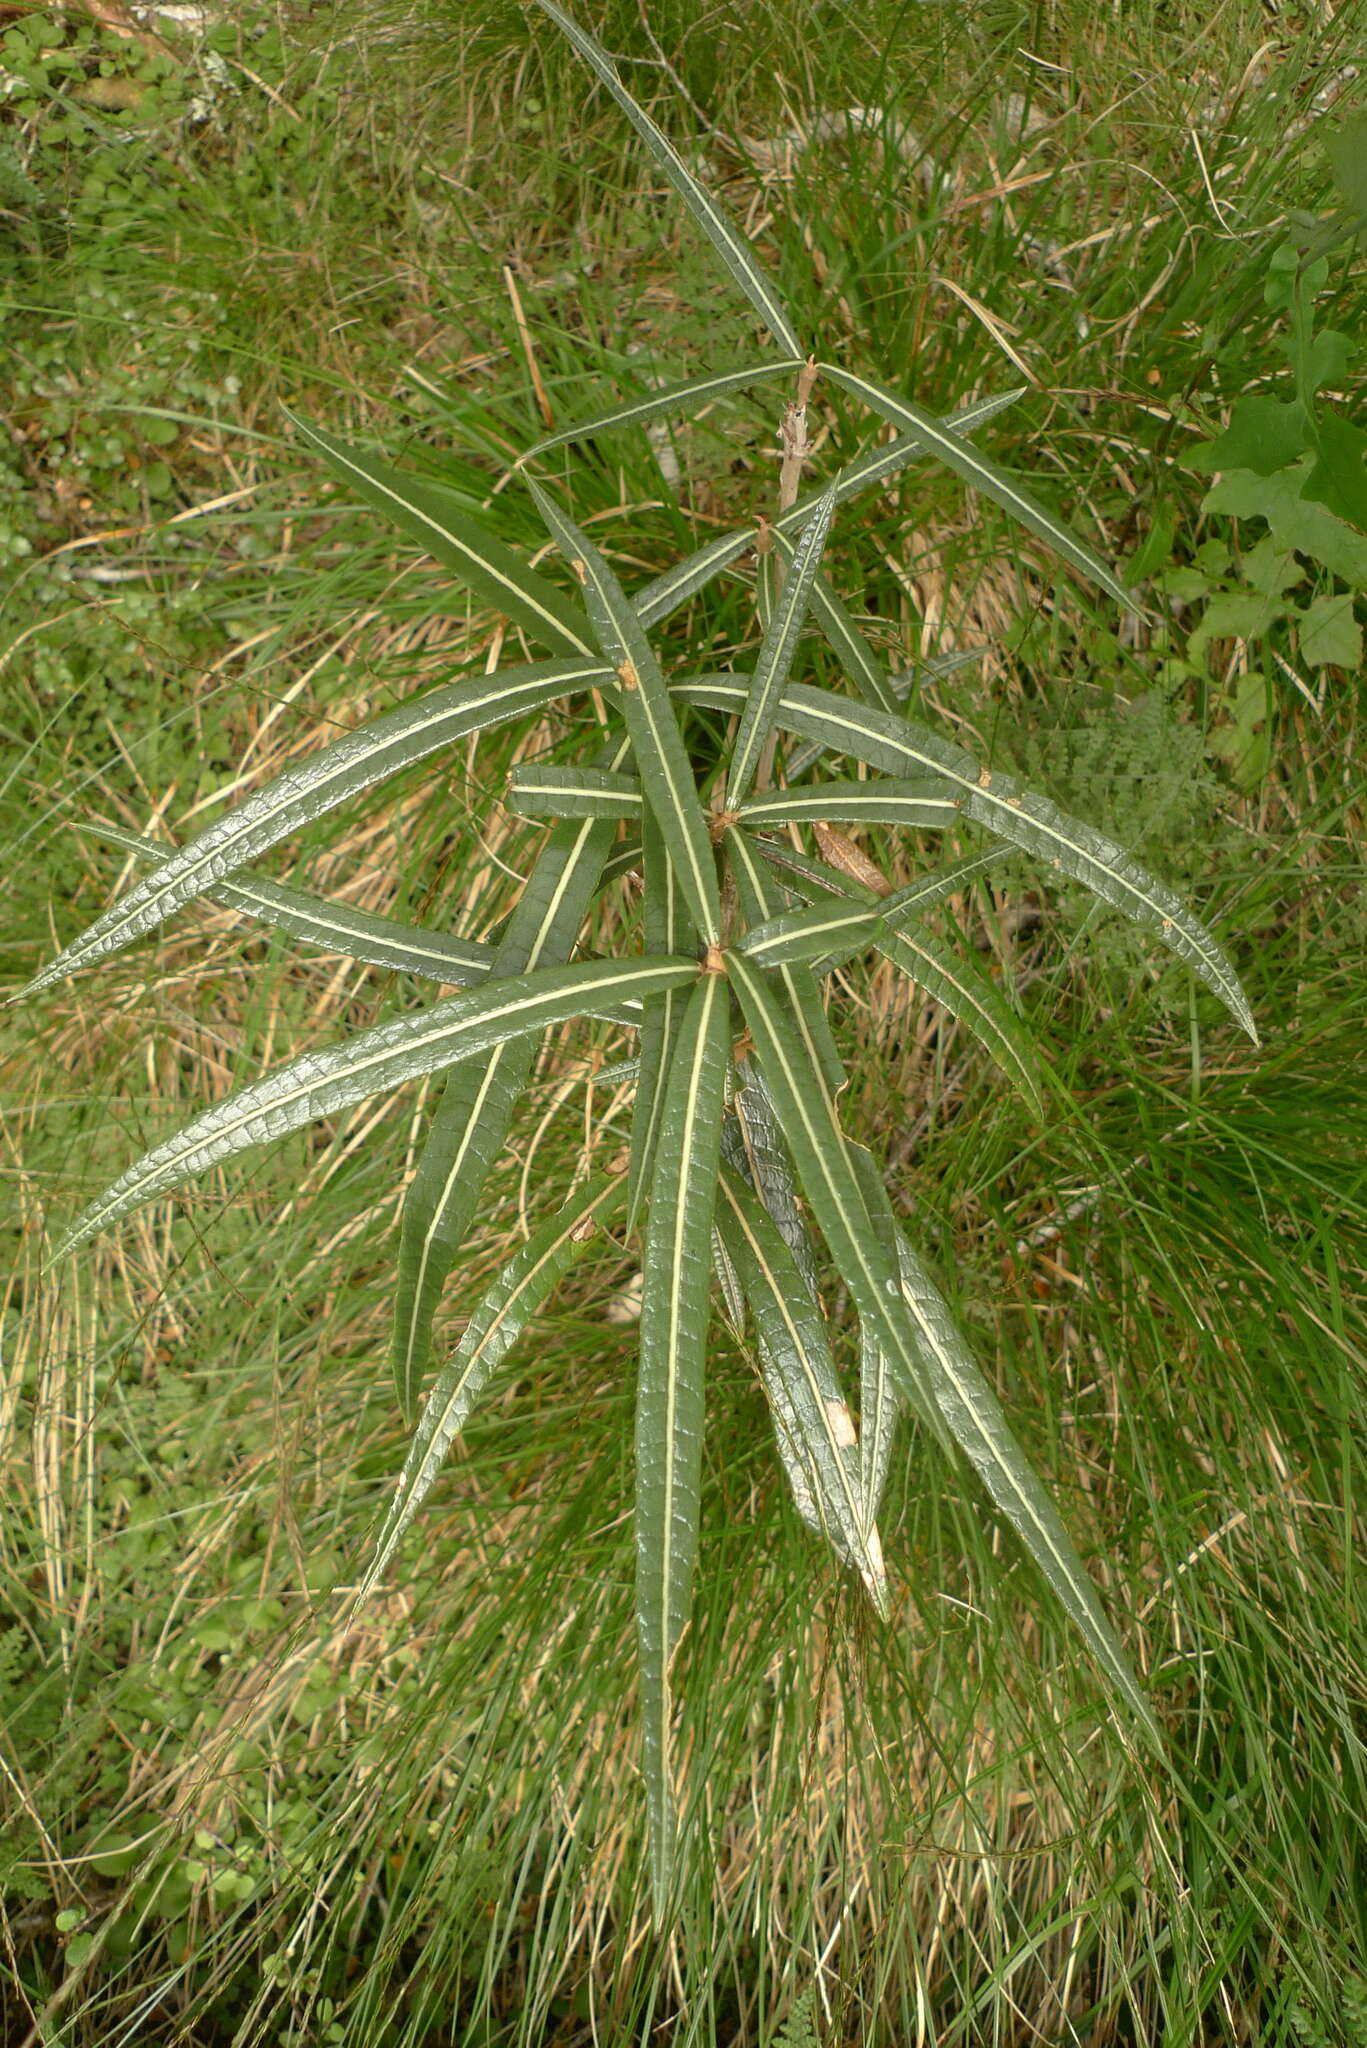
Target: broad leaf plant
x=738, y=1155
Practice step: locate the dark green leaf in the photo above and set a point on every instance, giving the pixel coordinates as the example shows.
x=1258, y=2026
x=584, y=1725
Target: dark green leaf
x=461, y=544
x=675, y=1290
x=372, y=1063
x=643, y=696
x=316, y=786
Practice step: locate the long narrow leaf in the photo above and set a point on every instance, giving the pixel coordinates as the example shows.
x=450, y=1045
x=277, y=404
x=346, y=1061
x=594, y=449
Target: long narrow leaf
x=853, y=652
x=676, y=1281
x=735, y=253
x=732, y=1294
x=899, y=746
x=762, y=900
x=661, y=756
x=885, y=800
x=800, y=1372
x=495, y=1326
x=885, y=1393
x=470, y=1127
x=885, y=924
x=363, y=935
x=316, y=786
x=752, y=1145
x=978, y=1423
x=667, y=928
x=891, y=691
x=320, y=921
x=958, y=986
x=684, y=579
x=461, y=544
x=818, y=879
x=688, y=396
x=774, y=661
x=555, y=792
x=372, y=1063
x=832, y=931
x=833, y=1190
x=985, y=475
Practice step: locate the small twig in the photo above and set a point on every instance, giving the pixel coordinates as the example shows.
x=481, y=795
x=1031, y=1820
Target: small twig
x=525, y=336
x=120, y=21
x=793, y=434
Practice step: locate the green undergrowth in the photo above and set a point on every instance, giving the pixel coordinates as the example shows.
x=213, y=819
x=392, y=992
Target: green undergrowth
x=226, y=1820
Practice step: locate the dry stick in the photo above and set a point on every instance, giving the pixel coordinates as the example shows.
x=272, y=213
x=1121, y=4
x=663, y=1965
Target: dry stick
x=796, y=449
x=525, y=337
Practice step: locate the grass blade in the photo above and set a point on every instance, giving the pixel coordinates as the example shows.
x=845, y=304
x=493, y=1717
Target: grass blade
x=985, y=475
x=801, y=1380
x=675, y=1291
x=774, y=661
x=314, y=787
x=373, y=1062
x=497, y=1323
x=736, y=254
x=661, y=757
x=461, y=544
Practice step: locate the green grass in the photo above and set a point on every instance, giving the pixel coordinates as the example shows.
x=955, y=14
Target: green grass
x=427, y=1826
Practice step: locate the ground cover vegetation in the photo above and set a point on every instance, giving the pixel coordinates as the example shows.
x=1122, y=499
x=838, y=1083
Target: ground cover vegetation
x=233, y=1815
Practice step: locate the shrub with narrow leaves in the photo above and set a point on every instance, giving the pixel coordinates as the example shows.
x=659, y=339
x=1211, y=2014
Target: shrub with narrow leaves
x=738, y=1156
